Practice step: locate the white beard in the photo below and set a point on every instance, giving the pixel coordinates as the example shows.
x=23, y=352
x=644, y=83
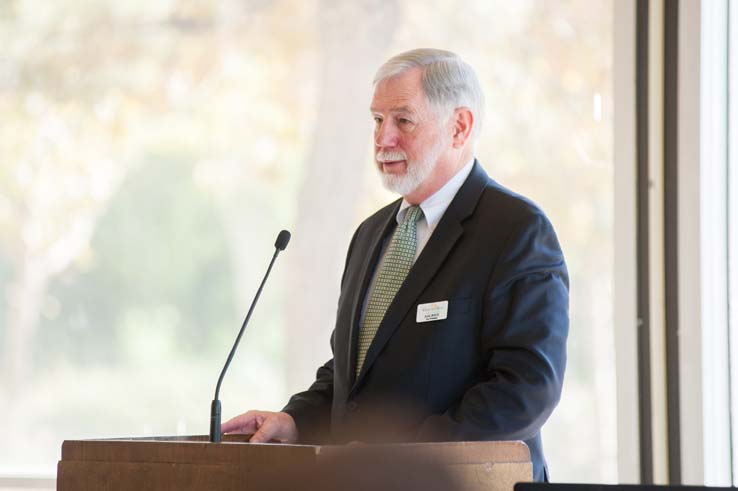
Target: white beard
x=416, y=172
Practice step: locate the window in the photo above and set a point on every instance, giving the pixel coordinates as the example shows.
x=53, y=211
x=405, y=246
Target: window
x=152, y=150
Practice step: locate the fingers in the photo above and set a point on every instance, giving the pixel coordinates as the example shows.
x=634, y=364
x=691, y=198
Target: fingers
x=265, y=426
x=269, y=430
x=276, y=427
x=246, y=423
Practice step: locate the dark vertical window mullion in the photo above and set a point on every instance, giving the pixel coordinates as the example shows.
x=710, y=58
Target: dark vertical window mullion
x=643, y=287
x=671, y=243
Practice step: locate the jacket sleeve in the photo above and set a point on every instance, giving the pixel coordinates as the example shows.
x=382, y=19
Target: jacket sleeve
x=524, y=327
x=311, y=409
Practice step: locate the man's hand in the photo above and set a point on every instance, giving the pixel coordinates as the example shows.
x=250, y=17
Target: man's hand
x=265, y=426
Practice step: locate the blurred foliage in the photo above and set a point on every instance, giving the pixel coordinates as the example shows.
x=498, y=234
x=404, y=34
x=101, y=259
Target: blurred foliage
x=159, y=267
x=149, y=150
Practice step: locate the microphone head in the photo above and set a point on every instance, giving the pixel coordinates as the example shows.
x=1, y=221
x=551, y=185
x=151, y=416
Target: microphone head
x=282, y=240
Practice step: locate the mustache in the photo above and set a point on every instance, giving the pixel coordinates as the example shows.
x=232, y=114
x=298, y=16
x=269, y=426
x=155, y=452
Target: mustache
x=390, y=156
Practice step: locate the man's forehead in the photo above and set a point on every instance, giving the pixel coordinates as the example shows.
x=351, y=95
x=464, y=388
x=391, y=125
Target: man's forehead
x=404, y=108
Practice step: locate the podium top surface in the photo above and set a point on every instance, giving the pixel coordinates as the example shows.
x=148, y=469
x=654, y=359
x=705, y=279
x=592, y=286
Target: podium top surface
x=235, y=449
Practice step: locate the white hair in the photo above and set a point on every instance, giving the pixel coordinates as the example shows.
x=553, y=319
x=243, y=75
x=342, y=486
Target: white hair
x=448, y=81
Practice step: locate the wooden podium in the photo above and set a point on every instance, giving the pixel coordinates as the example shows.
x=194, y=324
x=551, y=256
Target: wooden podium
x=192, y=463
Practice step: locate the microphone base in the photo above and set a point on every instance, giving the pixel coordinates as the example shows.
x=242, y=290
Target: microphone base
x=215, y=436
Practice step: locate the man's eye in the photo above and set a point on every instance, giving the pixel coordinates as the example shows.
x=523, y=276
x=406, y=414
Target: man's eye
x=404, y=121
x=377, y=119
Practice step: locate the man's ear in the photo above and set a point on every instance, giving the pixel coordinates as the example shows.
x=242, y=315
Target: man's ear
x=463, y=123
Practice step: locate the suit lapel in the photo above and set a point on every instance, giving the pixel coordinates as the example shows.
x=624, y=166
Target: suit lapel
x=444, y=237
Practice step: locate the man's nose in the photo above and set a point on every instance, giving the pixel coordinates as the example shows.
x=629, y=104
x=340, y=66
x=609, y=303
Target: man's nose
x=385, y=135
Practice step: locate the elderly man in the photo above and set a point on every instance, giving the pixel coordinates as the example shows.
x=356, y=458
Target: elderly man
x=453, y=312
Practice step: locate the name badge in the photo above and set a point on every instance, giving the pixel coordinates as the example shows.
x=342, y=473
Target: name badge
x=428, y=312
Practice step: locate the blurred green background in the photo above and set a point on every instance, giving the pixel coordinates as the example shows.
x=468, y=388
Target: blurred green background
x=151, y=150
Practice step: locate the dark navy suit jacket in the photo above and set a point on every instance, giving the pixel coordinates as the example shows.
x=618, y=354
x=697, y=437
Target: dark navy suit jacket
x=492, y=370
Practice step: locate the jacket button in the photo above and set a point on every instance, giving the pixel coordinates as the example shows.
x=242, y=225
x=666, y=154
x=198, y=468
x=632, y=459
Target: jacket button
x=352, y=405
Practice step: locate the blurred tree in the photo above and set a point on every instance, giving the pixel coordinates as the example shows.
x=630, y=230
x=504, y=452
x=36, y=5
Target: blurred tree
x=51, y=201
x=350, y=52
x=152, y=149
x=159, y=245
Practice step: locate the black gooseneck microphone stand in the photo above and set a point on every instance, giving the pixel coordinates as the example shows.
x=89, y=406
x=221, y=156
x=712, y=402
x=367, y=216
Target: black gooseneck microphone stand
x=281, y=243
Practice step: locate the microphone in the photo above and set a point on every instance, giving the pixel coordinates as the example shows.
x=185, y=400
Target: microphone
x=280, y=244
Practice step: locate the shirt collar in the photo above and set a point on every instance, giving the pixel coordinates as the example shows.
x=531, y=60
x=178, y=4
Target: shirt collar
x=435, y=205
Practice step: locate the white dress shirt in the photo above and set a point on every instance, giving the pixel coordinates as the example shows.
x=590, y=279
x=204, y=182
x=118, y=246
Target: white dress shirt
x=433, y=209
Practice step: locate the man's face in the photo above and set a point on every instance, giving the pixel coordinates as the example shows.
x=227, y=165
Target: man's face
x=408, y=133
